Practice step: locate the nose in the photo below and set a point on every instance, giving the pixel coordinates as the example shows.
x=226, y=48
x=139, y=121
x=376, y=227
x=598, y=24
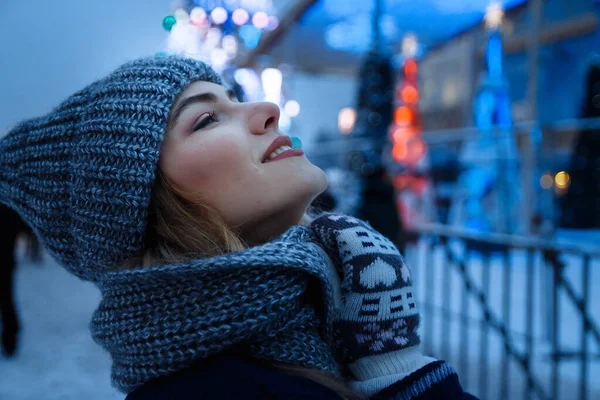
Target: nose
x=263, y=116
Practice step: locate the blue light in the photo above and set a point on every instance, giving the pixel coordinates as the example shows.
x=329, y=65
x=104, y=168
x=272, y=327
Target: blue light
x=494, y=55
x=250, y=35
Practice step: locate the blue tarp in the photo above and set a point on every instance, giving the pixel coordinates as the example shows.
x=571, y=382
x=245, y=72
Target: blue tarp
x=347, y=23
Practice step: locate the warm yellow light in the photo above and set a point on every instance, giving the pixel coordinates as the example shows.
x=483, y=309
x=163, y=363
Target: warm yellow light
x=562, y=180
x=410, y=45
x=346, y=120
x=494, y=15
x=546, y=181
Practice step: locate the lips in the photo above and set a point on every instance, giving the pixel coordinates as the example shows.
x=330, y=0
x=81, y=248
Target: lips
x=277, y=143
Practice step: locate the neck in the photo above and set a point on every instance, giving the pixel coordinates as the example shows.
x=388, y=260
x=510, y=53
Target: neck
x=269, y=228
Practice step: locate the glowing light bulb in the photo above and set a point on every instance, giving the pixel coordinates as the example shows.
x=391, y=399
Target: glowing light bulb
x=346, y=120
x=168, y=22
x=240, y=16
x=198, y=16
x=410, y=45
x=213, y=37
x=218, y=58
x=562, y=180
x=250, y=81
x=229, y=44
x=181, y=15
x=273, y=23
x=546, y=181
x=260, y=20
x=218, y=15
x=494, y=15
x=271, y=81
x=291, y=108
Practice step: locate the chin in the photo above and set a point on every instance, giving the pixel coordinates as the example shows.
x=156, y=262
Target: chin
x=317, y=180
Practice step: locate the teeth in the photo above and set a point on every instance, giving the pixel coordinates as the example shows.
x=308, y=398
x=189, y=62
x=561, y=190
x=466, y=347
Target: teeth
x=278, y=151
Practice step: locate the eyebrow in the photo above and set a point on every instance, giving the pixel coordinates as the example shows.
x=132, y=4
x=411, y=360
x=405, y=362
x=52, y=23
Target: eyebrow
x=208, y=97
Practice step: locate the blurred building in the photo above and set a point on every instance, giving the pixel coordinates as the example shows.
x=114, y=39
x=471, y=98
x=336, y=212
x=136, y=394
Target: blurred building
x=449, y=72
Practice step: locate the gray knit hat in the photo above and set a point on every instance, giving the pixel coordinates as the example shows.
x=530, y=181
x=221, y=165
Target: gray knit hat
x=82, y=175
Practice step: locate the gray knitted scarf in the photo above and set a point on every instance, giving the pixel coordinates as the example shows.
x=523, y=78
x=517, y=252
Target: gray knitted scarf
x=157, y=320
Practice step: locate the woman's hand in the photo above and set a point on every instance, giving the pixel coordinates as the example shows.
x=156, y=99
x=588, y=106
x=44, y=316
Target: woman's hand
x=376, y=328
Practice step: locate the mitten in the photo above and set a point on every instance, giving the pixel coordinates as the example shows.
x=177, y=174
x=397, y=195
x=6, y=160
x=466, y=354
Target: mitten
x=376, y=327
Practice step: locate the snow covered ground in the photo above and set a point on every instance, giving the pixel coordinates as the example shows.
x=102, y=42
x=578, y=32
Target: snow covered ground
x=57, y=359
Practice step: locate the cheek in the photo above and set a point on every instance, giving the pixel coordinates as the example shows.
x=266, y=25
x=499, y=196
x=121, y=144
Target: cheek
x=205, y=166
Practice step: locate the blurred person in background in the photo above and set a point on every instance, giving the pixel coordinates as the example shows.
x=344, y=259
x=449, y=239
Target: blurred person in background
x=188, y=209
x=580, y=206
x=12, y=227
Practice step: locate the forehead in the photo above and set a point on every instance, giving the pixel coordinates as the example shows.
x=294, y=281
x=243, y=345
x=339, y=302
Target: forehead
x=199, y=87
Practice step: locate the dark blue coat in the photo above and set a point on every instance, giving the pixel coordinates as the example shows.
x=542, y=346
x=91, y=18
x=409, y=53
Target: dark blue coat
x=233, y=377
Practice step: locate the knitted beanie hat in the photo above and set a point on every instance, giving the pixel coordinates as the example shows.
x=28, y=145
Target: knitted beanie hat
x=81, y=176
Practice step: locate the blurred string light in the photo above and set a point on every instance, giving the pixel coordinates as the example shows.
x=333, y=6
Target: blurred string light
x=546, y=181
x=494, y=15
x=346, y=120
x=240, y=17
x=217, y=31
x=219, y=15
x=291, y=108
x=271, y=81
x=410, y=45
x=562, y=180
x=408, y=147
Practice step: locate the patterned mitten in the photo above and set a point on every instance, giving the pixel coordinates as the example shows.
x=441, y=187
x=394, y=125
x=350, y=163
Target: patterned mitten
x=376, y=329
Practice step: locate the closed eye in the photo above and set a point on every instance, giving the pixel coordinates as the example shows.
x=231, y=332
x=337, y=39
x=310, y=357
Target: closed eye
x=205, y=120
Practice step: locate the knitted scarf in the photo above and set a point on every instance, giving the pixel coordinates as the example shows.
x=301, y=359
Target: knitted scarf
x=157, y=320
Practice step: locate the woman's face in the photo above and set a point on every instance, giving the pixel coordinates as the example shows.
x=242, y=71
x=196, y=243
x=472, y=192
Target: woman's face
x=215, y=149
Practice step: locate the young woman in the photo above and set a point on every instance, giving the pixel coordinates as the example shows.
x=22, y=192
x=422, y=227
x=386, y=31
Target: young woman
x=188, y=210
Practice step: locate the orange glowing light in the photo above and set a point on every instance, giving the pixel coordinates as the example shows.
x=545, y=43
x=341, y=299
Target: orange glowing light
x=403, y=116
x=403, y=134
x=399, y=152
x=410, y=69
x=419, y=149
x=410, y=94
x=400, y=182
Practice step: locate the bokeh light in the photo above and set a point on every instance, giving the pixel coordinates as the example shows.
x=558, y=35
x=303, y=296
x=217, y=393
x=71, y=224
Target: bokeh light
x=399, y=152
x=240, y=16
x=292, y=108
x=271, y=81
x=403, y=115
x=198, y=16
x=229, y=44
x=168, y=22
x=218, y=15
x=562, y=180
x=411, y=69
x=260, y=20
x=410, y=94
x=346, y=120
x=546, y=181
x=273, y=23
x=181, y=15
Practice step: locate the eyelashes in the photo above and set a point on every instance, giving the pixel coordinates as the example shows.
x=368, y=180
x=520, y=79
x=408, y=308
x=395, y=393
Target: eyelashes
x=206, y=120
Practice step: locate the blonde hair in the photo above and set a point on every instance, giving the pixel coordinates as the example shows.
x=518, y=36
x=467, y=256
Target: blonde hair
x=181, y=228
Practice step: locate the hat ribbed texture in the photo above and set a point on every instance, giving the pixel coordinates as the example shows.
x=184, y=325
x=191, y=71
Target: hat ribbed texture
x=82, y=175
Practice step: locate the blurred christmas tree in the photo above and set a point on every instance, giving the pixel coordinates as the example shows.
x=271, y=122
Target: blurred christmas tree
x=374, y=115
x=580, y=206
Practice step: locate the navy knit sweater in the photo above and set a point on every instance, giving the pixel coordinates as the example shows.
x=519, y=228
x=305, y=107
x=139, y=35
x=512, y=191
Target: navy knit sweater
x=231, y=377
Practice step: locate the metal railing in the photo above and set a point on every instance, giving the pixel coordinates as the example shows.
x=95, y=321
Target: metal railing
x=508, y=312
